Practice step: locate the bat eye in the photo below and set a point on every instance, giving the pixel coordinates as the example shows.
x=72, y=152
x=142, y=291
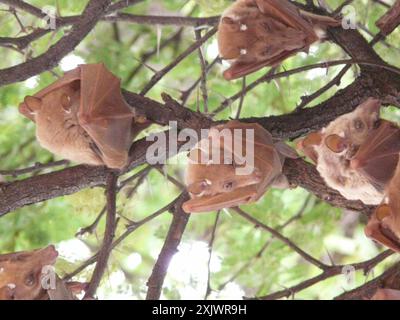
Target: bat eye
x=228, y=186
x=377, y=123
x=335, y=143
x=228, y=20
x=358, y=125
x=383, y=211
x=30, y=279
x=66, y=103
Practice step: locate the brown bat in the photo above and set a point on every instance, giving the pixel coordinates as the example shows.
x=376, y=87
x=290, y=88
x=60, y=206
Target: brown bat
x=21, y=273
x=386, y=294
x=217, y=184
x=84, y=118
x=333, y=148
x=256, y=33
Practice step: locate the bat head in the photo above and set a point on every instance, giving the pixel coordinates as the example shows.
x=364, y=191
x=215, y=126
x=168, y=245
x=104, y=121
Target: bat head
x=214, y=183
x=353, y=128
x=334, y=146
x=21, y=273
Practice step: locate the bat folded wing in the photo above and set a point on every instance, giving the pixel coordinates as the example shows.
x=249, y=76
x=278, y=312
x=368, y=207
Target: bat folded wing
x=105, y=115
x=223, y=200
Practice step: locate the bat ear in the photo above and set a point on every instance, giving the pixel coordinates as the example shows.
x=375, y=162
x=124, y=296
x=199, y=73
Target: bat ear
x=230, y=24
x=382, y=212
x=372, y=105
x=335, y=143
x=33, y=104
x=307, y=144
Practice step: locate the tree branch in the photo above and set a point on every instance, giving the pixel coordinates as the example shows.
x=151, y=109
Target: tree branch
x=170, y=247
x=48, y=60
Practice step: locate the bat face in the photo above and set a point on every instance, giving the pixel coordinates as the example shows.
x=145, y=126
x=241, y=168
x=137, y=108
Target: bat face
x=83, y=117
x=215, y=184
x=256, y=33
x=334, y=146
x=21, y=273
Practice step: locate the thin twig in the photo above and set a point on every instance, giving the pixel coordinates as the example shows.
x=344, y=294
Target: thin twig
x=282, y=238
x=160, y=74
x=332, y=271
x=203, y=65
x=170, y=247
x=210, y=250
x=109, y=233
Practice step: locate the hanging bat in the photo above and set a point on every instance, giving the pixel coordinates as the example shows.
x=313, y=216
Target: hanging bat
x=216, y=184
x=21, y=273
x=384, y=223
x=386, y=294
x=84, y=118
x=253, y=34
x=333, y=148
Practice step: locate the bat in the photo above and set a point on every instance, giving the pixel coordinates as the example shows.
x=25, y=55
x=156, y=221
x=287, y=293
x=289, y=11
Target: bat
x=386, y=294
x=84, y=118
x=384, y=223
x=216, y=184
x=21, y=273
x=333, y=148
x=253, y=34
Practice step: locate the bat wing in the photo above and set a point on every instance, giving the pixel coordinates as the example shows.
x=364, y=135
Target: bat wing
x=377, y=158
x=105, y=115
x=223, y=200
x=242, y=68
x=288, y=14
x=69, y=78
